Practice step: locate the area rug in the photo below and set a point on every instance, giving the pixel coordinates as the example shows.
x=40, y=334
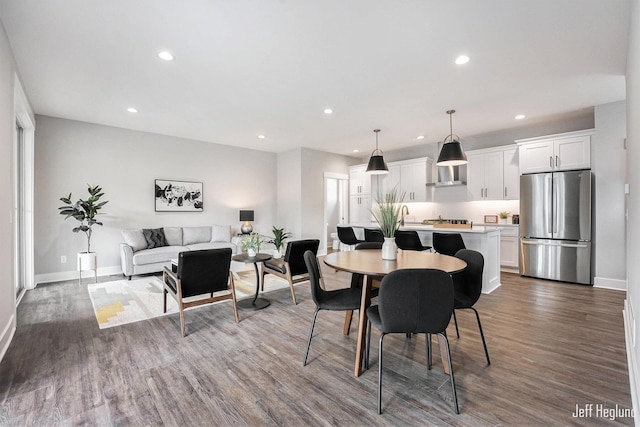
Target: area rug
x=126, y=301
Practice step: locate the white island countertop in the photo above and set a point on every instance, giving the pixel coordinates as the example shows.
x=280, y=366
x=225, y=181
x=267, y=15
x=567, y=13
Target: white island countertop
x=423, y=227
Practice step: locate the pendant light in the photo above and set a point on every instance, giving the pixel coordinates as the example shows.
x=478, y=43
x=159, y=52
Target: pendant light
x=451, y=153
x=377, y=166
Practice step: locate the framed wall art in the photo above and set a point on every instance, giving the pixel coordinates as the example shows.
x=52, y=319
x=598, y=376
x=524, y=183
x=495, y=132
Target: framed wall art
x=178, y=196
x=491, y=219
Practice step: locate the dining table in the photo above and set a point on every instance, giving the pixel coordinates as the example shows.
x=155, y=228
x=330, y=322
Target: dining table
x=369, y=264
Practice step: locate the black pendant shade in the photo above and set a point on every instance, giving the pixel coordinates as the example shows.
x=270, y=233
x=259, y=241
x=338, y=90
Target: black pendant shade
x=376, y=165
x=451, y=153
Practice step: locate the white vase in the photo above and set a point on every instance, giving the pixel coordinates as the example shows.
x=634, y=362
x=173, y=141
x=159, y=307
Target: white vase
x=276, y=253
x=251, y=252
x=389, y=248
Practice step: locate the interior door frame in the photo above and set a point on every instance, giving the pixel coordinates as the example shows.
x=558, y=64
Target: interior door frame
x=324, y=242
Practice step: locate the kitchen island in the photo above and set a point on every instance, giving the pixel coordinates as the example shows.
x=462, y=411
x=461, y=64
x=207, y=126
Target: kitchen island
x=484, y=239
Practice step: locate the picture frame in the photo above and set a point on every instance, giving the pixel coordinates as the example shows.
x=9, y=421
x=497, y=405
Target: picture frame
x=491, y=219
x=178, y=196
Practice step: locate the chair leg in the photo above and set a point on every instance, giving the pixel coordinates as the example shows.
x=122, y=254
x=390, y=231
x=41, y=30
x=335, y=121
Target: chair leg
x=429, y=352
x=366, y=357
x=182, y=327
x=233, y=298
x=484, y=343
x=455, y=320
x=313, y=324
x=453, y=382
x=348, y=316
x=380, y=374
x=164, y=307
x=290, y=280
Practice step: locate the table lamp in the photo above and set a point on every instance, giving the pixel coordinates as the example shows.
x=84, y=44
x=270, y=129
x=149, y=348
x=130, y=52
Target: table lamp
x=247, y=217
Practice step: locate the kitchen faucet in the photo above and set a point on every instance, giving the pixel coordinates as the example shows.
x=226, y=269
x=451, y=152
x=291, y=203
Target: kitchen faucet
x=402, y=214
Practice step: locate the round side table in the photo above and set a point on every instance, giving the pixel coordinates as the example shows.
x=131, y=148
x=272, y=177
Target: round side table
x=256, y=303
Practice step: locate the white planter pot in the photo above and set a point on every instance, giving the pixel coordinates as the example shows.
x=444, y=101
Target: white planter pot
x=389, y=248
x=87, y=261
x=503, y=220
x=251, y=252
x=276, y=254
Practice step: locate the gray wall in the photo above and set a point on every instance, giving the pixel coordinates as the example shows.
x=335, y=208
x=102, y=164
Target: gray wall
x=71, y=154
x=290, y=191
x=608, y=157
x=7, y=124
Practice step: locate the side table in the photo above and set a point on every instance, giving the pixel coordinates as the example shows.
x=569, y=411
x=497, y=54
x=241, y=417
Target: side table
x=256, y=303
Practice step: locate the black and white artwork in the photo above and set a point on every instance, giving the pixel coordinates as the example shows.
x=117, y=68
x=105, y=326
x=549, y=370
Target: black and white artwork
x=178, y=196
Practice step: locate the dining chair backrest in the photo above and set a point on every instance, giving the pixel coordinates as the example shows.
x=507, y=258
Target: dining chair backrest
x=408, y=240
x=294, y=254
x=204, y=271
x=315, y=277
x=347, y=236
x=418, y=300
x=369, y=245
x=467, y=283
x=373, y=235
x=448, y=243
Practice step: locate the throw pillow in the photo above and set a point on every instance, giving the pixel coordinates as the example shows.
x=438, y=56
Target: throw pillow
x=191, y=235
x=155, y=237
x=221, y=233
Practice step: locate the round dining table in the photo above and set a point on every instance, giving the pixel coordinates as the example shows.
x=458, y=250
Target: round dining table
x=369, y=263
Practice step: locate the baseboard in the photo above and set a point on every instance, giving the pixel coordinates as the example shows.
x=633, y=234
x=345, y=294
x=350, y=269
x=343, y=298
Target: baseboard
x=616, y=284
x=71, y=275
x=7, y=335
x=629, y=326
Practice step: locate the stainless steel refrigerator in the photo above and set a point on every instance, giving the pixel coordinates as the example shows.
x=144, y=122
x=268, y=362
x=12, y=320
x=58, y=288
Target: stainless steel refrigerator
x=555, y=226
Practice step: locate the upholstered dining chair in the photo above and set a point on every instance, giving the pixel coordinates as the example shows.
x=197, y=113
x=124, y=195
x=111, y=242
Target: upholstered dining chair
x=373, y=235
x=347, y=236
x=448, y=243
x=413, y=301
x=335, y=300
x=409, y=240
x=199, y=273
x=467, y=287
x=291, y=267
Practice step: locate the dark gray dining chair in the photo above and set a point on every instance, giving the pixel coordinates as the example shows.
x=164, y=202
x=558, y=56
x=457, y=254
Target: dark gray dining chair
x=413, y=301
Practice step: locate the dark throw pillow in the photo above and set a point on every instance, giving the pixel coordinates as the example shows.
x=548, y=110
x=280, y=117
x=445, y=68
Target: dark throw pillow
x=155, y=237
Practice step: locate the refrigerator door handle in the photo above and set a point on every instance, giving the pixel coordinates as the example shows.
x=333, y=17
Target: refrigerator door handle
x=537, y=243
x=554, y=205
x=548, y=200
x=574, y=245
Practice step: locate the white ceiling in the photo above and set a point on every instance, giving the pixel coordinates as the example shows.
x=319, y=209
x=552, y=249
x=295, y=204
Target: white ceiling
x=249, y=67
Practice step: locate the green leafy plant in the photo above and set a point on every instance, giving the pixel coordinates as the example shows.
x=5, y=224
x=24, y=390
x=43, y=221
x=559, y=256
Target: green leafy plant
x=387, y=211
x=84, y=211
x=279, y=236
x=252, y=241
x=504, y=215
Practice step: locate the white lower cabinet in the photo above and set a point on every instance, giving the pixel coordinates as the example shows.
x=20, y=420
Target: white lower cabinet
x=509, y=247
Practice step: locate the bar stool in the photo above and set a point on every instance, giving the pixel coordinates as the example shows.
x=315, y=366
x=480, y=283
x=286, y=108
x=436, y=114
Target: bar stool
x=410, y=241
x=347, y=236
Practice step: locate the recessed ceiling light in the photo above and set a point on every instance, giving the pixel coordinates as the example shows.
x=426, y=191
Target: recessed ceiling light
x=520, y=116
x=356, y=151
x=167, y=56
x=328, y=111
x=420, y=137
x=462, y=59
x=132, y=110
x=260, y=136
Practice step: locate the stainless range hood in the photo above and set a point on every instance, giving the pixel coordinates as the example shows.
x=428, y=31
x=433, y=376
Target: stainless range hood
x=450, y=176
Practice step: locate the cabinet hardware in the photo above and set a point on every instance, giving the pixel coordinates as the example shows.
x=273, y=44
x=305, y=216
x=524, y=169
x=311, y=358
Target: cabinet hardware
x=505, y=191
x=557, y=161
x=551, y=161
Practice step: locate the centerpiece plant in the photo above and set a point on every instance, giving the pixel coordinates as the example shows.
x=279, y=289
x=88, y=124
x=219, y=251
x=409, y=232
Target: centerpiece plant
x=279, y=236
x=251, y=243
x=387, y=214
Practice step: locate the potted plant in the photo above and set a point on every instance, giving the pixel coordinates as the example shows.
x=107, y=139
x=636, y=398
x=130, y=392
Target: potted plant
x=85, y=212
x=503, y=216
x=279, y=236
x=387, y=214
x=251, y=243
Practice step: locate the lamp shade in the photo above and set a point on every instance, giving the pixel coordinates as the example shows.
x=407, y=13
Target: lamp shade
x=451, y=154
x=377, y=166
x=246, y=216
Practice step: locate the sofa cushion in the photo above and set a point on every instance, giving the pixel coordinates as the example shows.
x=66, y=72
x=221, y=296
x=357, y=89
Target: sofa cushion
x=135, y=239
x=212, y=245
x=154, y=237
x=173, y=236
x=155, y=255
x=191, y=235
x=220, y=233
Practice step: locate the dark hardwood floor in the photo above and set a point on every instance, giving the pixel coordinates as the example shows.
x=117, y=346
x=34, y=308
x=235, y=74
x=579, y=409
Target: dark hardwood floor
x=553, y=346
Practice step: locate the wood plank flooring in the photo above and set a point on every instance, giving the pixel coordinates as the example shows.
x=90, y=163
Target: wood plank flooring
x=553, y=346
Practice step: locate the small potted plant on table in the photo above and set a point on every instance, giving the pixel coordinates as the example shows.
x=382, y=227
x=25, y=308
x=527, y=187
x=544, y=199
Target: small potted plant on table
x=279, y=236
x=387, y=214
x=251, y=244
x=503, y=216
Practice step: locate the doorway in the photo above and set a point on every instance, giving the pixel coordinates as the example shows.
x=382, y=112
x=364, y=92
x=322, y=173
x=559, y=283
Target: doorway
x=336, y=207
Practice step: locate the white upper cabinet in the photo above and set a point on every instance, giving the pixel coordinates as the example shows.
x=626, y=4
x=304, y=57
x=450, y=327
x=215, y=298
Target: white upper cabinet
x=410, y=176
x=492, y=174
x=560, y=152
x=359, y=180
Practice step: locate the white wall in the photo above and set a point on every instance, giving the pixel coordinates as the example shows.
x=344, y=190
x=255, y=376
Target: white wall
x=70, y=154
x=289, y=191
x=7, y=124
x=633, y=202
x=608, y=157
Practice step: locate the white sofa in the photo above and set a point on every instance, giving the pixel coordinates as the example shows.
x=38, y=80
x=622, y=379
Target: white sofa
x=137, y=258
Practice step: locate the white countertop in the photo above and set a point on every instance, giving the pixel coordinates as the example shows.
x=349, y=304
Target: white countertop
x=422, y=227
